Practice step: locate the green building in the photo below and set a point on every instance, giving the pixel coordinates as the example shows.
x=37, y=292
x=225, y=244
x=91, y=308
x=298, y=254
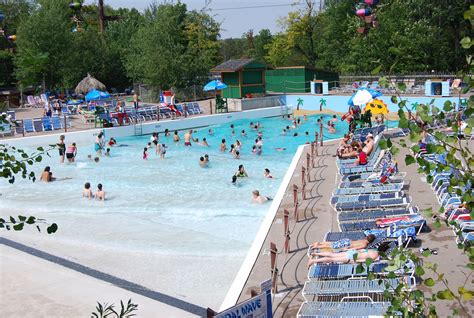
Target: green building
x=242, y=77
x=296, y=79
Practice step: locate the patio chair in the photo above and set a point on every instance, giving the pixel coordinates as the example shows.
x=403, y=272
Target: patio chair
x=366, y=183
x=30, y=101
x=47, y=125
x=365, y=197
x=376, y=204
x=343, y=271
x=38, y=124
x=197, y=109
x=356, y=286
x=6, y=129
x=336, y=236
x=369, y=190
x=374, y=214
x=56, y=122
x=412, y=220
x=28, y=125
x=11, y=114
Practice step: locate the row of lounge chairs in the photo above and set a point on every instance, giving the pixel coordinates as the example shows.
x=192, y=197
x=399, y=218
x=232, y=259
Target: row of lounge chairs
x=456, y=213
x=31, y=125
x=364, y=205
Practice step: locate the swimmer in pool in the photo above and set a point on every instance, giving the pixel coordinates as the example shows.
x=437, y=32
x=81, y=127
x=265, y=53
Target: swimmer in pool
x=204, y=142
x=188, y=137
x=100, y=193
x=267, y=174
x=47, y=175
x=241, y=173
x=87, y=192
x=223, y=146
x=203, y=162
x=107, y=152
x=176, y=138
x=260, y=199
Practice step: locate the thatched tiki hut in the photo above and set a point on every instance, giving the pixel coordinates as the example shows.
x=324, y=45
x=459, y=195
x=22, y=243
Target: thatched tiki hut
x=87, y=84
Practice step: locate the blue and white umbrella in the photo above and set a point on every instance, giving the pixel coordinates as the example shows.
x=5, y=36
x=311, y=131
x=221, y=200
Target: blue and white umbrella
x=214, y=85
x=363, y=96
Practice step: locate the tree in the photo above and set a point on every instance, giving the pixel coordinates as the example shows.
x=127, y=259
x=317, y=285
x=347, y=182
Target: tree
x=174, y=46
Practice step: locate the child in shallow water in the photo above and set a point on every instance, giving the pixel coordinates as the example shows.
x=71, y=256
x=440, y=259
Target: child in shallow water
x=87, y=192
x=145, y=153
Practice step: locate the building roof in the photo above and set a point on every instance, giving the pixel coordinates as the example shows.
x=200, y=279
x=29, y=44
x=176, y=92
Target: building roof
x=233, y=65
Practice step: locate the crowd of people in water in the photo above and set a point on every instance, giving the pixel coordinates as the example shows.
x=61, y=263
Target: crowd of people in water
x=102, y=147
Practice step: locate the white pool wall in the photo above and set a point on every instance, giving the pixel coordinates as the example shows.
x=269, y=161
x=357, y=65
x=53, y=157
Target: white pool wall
x=87, y=136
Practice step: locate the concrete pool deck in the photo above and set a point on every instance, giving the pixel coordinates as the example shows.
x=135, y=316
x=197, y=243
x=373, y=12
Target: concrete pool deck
x=316, y=217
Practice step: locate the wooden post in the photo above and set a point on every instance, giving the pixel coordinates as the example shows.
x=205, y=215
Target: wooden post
x=303, y=191
x=295, y=194
x=286, y=215
x=210, y=106
x=253, y=293
x=308, y=160
x=287, y=243
x=295, y=214
x=273, y=268
x=303, y=176
x=312, y=148
x=65, y=123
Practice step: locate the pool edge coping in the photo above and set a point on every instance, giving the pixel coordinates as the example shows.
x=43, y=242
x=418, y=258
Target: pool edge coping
x=245, y=270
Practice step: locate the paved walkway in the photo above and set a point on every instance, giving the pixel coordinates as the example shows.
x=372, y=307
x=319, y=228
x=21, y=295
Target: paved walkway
x=316, y=217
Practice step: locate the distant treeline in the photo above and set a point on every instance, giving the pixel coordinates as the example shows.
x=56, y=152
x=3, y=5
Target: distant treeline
x=170, y=46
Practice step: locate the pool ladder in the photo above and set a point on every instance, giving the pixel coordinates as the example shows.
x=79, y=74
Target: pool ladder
x=138, y=129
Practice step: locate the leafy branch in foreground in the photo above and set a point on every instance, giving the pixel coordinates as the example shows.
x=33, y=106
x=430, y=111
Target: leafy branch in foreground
x=19, y=223
x=106, y=310
x=14, y=161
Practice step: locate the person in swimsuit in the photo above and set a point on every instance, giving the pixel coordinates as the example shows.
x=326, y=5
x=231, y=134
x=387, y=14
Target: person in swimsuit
x=176, y=138
x=203, y=162
x=235, y=180
x=99, y=143
x=361, y=158
x=206, y=158
x=112, y=142
x=267, y=174
x=243, y=134
x=241, y=173
x=257, y=198
x=162, y=151
x=210, y=132
x=369, y=145
x=223, y=146
x=167, y=132
x=188, y=137
x=61, y=148
x=237, y=155
x=107, y=152
x=47, y=175
x=204, y=142
x=99, y=194
x=346, y=243
x=71, y=152
x=87, y=192
x=145, y=153
x=349, y=256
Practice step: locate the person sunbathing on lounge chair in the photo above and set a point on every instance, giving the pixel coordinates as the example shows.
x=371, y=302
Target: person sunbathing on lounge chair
x=369, y=145
x=345, y=244
x=349, y=256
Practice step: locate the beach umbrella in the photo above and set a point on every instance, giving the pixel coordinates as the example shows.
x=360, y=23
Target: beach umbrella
x=88, y=84
x=97, y=95
x=214, y=85
x=363, y=96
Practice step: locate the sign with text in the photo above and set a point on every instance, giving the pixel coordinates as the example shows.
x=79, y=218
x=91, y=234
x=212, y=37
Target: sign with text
x=259, y=306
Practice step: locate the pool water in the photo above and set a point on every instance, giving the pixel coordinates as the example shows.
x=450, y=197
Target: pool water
x=169, y=224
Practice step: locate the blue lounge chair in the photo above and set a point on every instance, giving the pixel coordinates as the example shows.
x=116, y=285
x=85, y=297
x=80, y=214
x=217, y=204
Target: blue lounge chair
x=190, y=108
x=373, y=214
x=343, y=309
x=197, y=109
x=376, y=204
x=365, y=197
x=6, y=129
x=332, y=271
x=12, y=114
x=415, y=220
x=47, y=125
x=56, y=122
x=369, y=190
x=38, y=124
x=336, y=236
x=357, y=286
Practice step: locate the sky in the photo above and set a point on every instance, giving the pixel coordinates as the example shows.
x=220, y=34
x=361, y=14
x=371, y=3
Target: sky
x=235, y=18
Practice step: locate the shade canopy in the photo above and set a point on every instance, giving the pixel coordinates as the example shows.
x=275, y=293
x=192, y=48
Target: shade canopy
x=88, y=84
x=97, y=95
x=214, y=85
x=363, y=96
